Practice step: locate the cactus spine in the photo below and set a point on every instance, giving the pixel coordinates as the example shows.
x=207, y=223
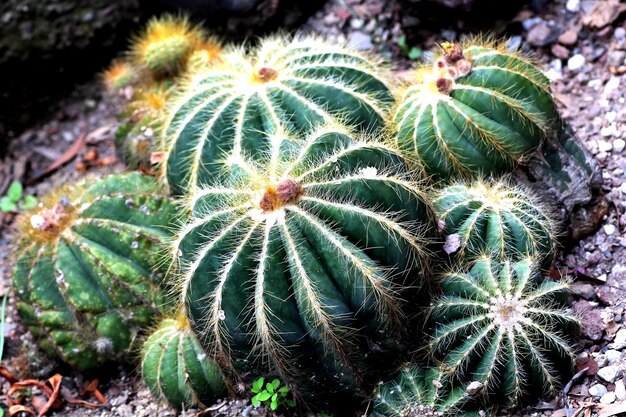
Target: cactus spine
x=499, y=324
x=175, y=367
x=479, y=109
x=421, y=392
x=297, y=259
x=496, y=218
x=236, y=111
x=83, y=276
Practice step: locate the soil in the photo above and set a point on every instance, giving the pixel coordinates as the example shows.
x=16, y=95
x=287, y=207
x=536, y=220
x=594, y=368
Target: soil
x=581, y=47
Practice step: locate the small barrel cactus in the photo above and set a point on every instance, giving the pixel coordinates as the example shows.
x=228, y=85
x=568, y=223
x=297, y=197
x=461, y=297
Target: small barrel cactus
x=119, y=75
x=479, y=109
x=205, y=55
x=497, y=219
x=237, y=109
x=175, y=367
x=84, y=275
x=165, y=45
x=141, y=134
x=422, y=392
x=501, y=325
x=299, y=259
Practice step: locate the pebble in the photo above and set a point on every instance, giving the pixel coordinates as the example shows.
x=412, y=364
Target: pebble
x=613, y=355
x=597, y=390
x=609, y=229
x=619, y=145
x=569, y=37
x=608, y=398
x=620, y=390
x=585, y=291
x=610, y=130
x=542, y=34
x=573, y=6
x=360, y=41
x=559, y=51
x=610, y=373
x=576, y=62
x=620, y=340
x=615, y=58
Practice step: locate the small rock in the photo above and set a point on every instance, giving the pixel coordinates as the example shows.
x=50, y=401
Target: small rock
x=615, y=58
x=542, y=34
x=619, y=145
x=620, y=33
x=573, y=6
x=620, y=390
x=533, y=21
x=602, y=277
x=585, y=291
x=356, y=23
x=559, y=51
x=609, y=229
x=612, y=355
x=576, y=62
x=569, y=37
x=610, y=373
x=610, y=130
x=597, y=390
x=608, y=398
x=453, y=243
x=360, y=41
x=620, y=340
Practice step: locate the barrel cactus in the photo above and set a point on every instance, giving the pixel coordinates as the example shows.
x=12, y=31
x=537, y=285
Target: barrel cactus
x=175, y=367
x=84, y=275
x=497, y=219
x=479, y=109
x=299, y=258
x=501, y=325
x=119, y=75
x=235, y=111
x=422, y=392
x=165, y=45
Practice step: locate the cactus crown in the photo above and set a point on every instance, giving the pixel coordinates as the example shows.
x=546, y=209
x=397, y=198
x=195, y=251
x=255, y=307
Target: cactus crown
x=479, y=108
x=165, y=45
x=499, y=324
x=248, y=104
x=279, y=247
x=496, y=218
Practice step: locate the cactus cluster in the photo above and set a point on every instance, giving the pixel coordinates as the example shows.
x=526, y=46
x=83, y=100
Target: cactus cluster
x=304, y=246
x=299, y=259
x=84, y=276
x=496, y=219
x=422, y=392
x=477, y=110
x=500, y=324
x=242, y=107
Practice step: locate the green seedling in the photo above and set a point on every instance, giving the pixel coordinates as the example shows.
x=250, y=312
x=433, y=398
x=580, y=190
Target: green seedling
x=15, y=199
x=271, y=394
x=412, y=53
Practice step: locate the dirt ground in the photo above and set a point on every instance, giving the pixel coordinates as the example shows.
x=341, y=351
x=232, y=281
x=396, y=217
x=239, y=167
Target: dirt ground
x=582, y=47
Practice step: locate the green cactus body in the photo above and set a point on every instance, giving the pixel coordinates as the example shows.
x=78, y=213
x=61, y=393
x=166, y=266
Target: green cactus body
x=298, y=259
x=500, y=325
x=175, y=367
x=83, y=277
x=236, y=111
x=497, y=219
x=477, y=110
x=167, y=56
x=421, y=392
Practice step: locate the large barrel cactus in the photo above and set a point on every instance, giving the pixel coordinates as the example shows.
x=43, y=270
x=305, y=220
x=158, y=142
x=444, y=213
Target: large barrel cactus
x=235, y=112
x=496, y=219
x=85, y=278
x=422, y=392
x=175, y=367
x=501, y=325
x=479, y=109
x=293, y=266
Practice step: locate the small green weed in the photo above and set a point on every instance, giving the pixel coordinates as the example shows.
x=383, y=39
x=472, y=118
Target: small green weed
x=271, y=394
x=412, y=53
x=15, y=199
